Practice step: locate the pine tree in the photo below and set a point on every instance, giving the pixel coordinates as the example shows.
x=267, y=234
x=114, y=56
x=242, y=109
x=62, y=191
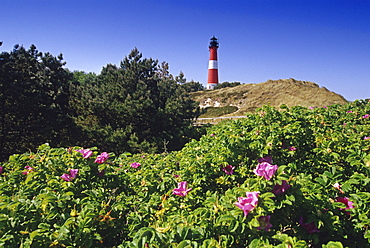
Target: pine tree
x=33, y=99
x=137, y=107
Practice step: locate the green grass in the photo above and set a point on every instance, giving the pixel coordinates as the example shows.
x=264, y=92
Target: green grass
x=218, y=111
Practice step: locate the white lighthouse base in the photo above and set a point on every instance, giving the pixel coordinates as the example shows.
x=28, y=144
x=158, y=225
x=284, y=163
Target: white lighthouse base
x=211, y=86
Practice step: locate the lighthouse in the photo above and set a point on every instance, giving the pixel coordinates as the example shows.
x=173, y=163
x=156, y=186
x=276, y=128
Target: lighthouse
x=212, y=64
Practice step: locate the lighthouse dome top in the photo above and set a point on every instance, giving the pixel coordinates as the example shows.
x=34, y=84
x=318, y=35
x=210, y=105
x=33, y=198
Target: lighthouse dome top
x=214, y=42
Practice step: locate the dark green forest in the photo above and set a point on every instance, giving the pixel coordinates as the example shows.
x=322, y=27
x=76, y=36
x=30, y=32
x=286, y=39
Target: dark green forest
x=136, y=106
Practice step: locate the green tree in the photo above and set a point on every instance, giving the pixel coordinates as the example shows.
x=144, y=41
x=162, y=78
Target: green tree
x=138, y=106
x=33, y=100
x=193, y=86
x=83, y=77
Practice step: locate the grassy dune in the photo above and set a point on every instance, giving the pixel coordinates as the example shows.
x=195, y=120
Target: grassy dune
x=248, y=97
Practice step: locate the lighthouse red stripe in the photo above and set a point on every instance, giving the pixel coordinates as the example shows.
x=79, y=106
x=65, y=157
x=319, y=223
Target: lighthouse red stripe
x=213, y=53
x=212, y=76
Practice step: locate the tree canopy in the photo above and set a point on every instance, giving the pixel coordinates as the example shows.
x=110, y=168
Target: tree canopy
x=137, y=106
x=193, y=86
x=33, y=100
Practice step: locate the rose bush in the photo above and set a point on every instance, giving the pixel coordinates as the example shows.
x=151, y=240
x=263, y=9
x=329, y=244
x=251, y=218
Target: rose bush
x=279, y=178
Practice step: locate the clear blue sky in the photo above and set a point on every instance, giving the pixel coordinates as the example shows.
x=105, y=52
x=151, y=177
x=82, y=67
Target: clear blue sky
x=322, y=41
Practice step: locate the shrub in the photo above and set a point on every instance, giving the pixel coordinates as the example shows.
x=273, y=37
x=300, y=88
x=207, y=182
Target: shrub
x=218, y=111
x=291, y=178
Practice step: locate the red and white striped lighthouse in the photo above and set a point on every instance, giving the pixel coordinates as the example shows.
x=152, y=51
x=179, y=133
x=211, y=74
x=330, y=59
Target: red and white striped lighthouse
x=212, y=64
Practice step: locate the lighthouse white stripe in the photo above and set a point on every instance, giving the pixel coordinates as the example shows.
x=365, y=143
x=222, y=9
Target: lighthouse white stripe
x=212, y=64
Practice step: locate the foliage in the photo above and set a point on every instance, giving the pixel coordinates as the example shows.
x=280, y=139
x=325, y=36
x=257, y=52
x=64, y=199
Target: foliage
x=193, y=86
x=83, y=78
x=218, y=111
x=33, y=100
x=300, y=178
x=226, y=84
x=135, y=107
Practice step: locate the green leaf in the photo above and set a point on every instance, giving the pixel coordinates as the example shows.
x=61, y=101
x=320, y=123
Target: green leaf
x=234, y=225
x=322, y=180
x=333, y=244
x=184, y=244
x=34, y=234
x=224, y=218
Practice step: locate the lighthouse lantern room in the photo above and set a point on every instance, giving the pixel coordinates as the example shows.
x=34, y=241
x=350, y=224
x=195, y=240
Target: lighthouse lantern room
x=212, y=64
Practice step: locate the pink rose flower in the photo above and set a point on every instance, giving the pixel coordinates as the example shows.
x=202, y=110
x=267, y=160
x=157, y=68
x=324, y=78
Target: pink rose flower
x=346, y=202
x=72, y=174
x=309, y=227
x=86, y=153
x=28, y=170
x=181, y=190
x=265, y=170
x=280, y=189
x=292, y=148
x=135, y=165
x=66, y=177
x=247, y=204
x=100, y=159
x=228, y=169
x=264, y=222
